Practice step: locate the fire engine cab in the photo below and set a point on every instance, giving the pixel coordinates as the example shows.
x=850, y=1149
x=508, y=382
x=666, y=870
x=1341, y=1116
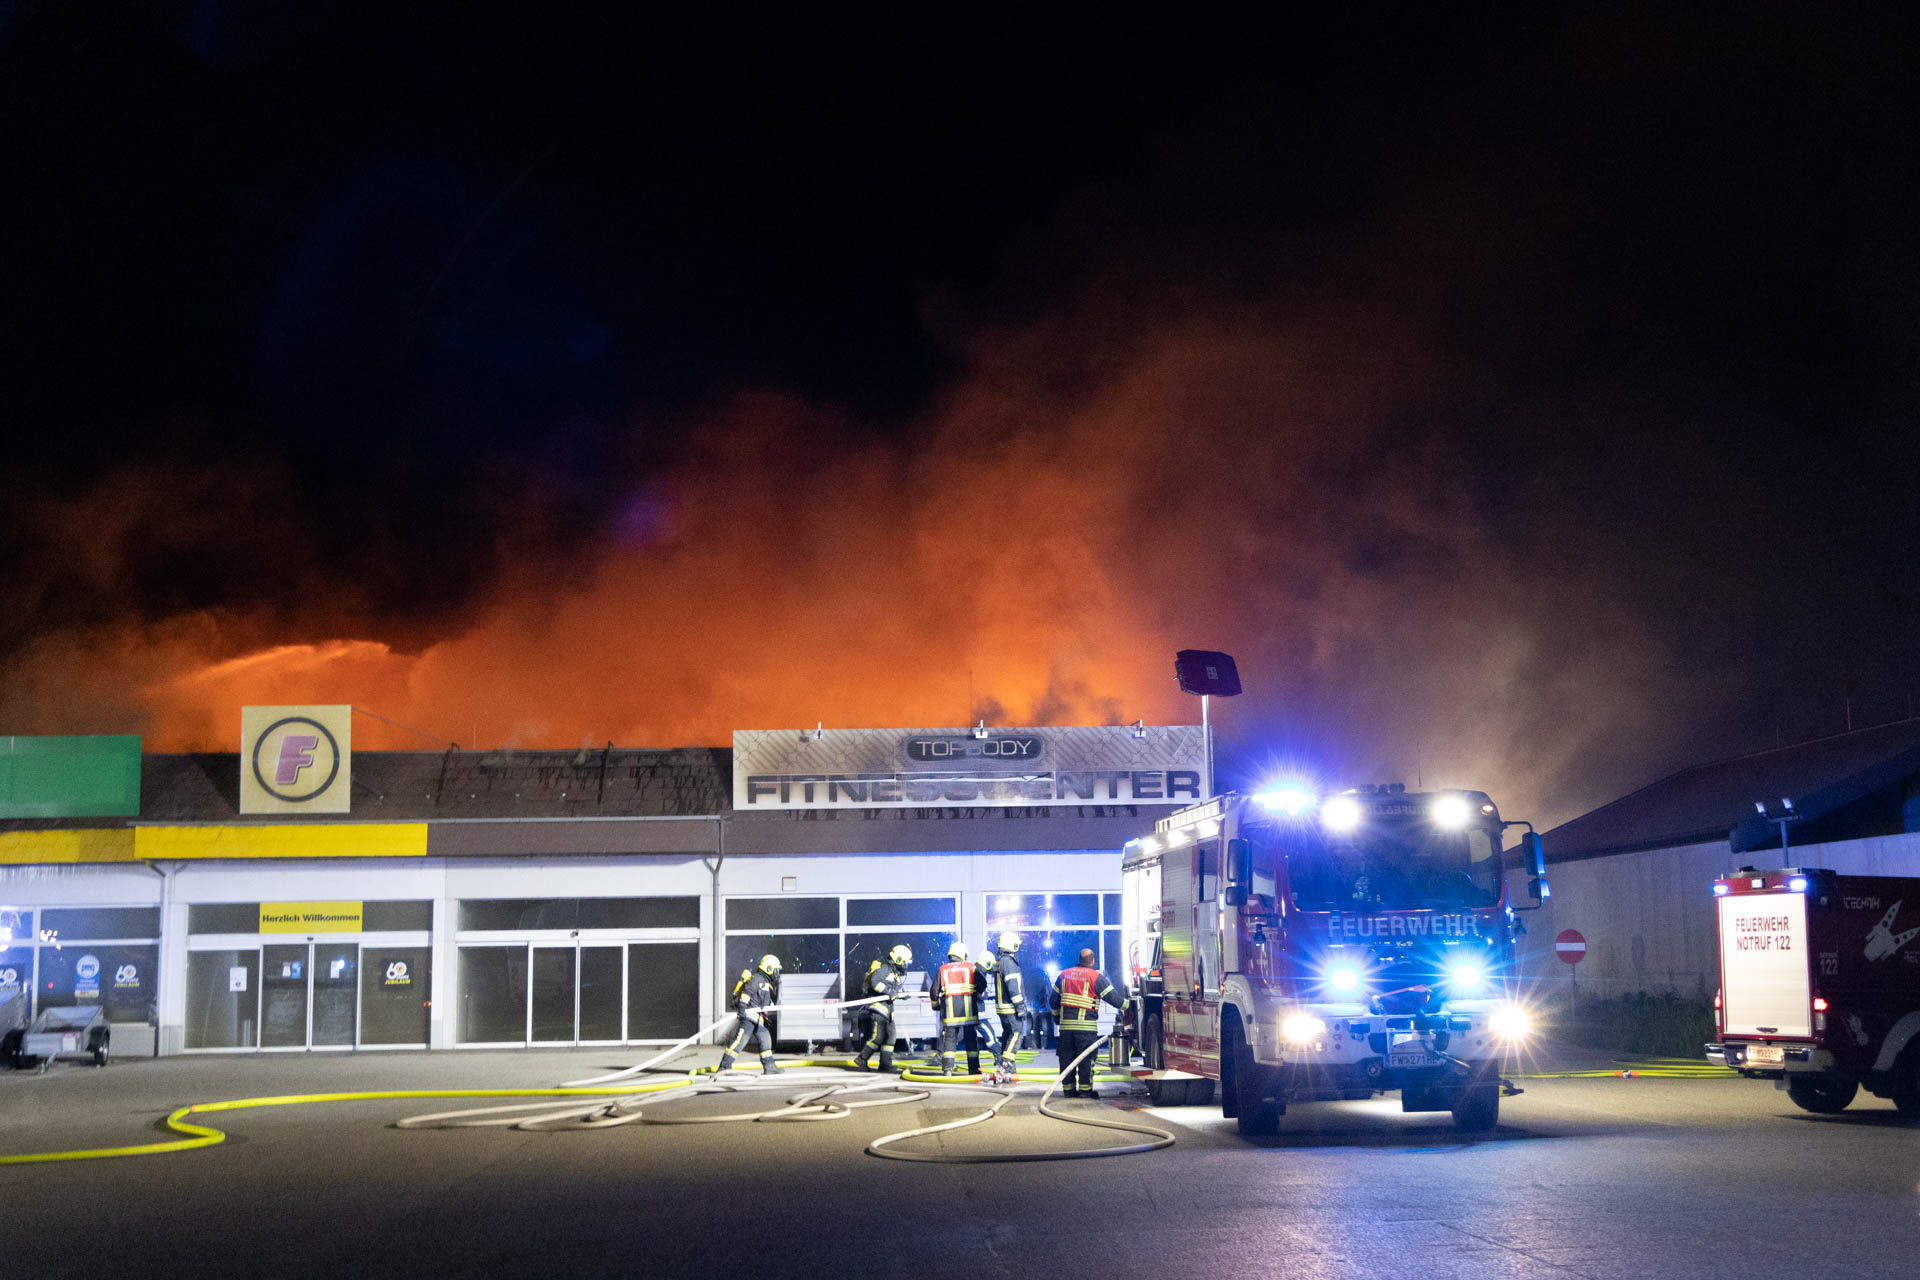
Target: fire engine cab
x=1288, y=947
x=1820, y=984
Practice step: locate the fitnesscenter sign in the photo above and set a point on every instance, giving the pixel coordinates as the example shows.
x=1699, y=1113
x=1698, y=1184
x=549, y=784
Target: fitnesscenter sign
x=896, y=768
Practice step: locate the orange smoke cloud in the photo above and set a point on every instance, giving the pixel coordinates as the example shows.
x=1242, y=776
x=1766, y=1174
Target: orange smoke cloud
x=1031, y=552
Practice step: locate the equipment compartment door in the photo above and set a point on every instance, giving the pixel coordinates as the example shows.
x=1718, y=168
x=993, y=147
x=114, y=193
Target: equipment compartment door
x=1764, y=964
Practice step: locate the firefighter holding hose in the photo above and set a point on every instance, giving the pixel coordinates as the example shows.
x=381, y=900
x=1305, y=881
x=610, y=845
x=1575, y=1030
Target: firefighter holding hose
x=1075, y=1002
x=884, y=978
x=756, y=991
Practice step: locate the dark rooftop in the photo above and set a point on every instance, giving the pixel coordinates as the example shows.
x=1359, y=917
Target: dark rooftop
x=1711, y=802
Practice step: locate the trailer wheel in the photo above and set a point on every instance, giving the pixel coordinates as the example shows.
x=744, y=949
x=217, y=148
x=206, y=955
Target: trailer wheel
x=1477, y=1108
x=1257, y=1114
x=1820, y=1095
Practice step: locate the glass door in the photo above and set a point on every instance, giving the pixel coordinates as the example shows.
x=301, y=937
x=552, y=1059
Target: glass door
x=336, y=994
x=550, y=1012
x=601, y=976
x=283, y=996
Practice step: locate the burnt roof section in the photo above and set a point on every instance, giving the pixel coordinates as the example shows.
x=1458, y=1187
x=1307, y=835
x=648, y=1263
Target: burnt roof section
x=1710, y=802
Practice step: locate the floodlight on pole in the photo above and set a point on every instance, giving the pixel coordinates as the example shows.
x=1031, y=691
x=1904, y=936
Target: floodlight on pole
x=1208, y=673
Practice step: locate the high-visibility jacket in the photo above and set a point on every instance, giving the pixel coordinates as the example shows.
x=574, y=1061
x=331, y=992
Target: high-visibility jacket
x=957, y=986
x=1076, y=998
x=1008, y=996
x=755, y=991
x=884, y=978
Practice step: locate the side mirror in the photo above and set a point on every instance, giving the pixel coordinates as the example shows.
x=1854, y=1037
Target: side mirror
x=1240, y=864
x=1533, y=857
x=1236, y=895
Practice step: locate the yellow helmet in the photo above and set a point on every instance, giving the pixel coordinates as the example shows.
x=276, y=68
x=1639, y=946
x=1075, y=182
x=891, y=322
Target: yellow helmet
x=770, y=964
x=985, y=961
x=1009, y=943
x=901, y=955
x=958, y=951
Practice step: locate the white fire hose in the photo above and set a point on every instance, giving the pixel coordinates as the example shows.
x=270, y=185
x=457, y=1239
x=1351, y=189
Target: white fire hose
x=827, y=1096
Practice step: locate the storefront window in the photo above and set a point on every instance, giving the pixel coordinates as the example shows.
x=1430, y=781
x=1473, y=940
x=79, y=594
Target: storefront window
x=119, y=976
x=493, y=995
x=663, y=990
x=1040, y=912
x=394, y=999
x=773, y=914
x=223, y=999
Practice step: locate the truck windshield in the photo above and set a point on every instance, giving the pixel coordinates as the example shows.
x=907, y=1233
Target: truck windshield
x=1392, y=866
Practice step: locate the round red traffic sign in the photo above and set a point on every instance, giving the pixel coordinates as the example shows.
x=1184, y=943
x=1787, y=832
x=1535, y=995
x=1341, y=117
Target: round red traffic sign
x=1570, y=946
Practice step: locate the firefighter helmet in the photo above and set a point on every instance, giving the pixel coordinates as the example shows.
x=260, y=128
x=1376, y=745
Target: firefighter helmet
x=958, y=951
x=770, y=964
x=985, y=961
x=901, y=955
x=1009, y=943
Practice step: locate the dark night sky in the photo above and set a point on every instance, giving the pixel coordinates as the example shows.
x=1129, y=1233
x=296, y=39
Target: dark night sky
x=1529, y=404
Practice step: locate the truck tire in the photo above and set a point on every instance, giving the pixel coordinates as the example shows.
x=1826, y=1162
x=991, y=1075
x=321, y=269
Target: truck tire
x=1477, y=1108
x=10, y=1048
x=1257, y=1114
x=1153, y=1047
x=1820, y=1094
x=1906, y=1085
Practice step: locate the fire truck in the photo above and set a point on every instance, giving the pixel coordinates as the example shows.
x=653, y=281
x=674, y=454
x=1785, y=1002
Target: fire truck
x=1287, y=947
x=1820, y=984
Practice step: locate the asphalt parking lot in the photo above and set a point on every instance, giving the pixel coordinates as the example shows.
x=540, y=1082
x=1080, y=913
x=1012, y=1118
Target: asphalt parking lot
x=1585, y=1177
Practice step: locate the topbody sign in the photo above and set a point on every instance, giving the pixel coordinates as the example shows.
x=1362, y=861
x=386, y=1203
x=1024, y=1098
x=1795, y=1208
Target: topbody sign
x=919, y=768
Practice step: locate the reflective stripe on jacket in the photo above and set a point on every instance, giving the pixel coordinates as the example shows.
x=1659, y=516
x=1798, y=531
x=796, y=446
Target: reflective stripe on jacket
x=1076, y=997
x=1007, y=995
x=955, y=987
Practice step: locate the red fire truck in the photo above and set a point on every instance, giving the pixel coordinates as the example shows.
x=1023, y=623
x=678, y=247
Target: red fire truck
x=1820, y=984
x=1288, y=947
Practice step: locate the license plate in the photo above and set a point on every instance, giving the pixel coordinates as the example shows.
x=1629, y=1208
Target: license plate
x=1409, y=1053
x=1766, y=1055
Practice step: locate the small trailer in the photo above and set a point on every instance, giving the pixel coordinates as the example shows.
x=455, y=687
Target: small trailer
x=68, y=1031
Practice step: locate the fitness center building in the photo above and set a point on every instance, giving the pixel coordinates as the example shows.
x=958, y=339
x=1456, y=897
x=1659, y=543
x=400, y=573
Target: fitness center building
x=301, y=896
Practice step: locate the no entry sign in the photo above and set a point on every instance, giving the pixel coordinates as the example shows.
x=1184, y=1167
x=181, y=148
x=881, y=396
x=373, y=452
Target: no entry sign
x=1570, y=946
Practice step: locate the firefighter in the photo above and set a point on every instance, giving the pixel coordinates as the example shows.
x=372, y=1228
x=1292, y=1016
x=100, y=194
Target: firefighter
x=756, y=991
x=1075, y=1002
x=1009, y=998
x=884, y=978
x=957, y=987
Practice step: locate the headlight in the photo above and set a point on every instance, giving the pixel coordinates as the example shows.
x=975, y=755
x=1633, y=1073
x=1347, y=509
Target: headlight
x=1343, y=980
x=1302, y=1029
x=1342, y=813
x=1464, y=977
x=1450, y=813
x=1510, y=1022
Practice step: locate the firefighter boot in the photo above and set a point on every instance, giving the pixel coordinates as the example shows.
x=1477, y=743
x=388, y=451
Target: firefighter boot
x=886, y=1059
x=973, y=1064
x=726, y=1063
x=864, y=1062
x=768, y=1067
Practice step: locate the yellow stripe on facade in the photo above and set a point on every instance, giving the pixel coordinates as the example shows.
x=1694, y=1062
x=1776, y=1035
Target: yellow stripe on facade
x=109, y=844
x=140, y=844
x=320, y=840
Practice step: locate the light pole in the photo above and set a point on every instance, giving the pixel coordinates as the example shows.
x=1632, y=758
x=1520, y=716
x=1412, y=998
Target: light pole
x=1785, y=816
x=1209, y=674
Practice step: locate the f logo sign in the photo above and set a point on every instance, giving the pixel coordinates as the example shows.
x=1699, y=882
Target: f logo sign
x=296, y=759
x=296, y=753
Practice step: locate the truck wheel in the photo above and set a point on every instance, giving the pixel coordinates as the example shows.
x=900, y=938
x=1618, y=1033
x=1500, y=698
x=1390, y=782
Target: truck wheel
x=1257, y=1115
x=1153, y=1048
x=1477, y=1108
x=1821, y=1095
x=1906, y=1089
x=1159, y=1094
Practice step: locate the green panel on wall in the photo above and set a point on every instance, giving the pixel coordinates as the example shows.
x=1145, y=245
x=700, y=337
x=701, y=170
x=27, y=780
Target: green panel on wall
x=97, y=776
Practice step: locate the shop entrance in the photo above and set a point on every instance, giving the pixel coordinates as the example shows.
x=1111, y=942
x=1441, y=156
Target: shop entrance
x=309, y=997
x=577, y=993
